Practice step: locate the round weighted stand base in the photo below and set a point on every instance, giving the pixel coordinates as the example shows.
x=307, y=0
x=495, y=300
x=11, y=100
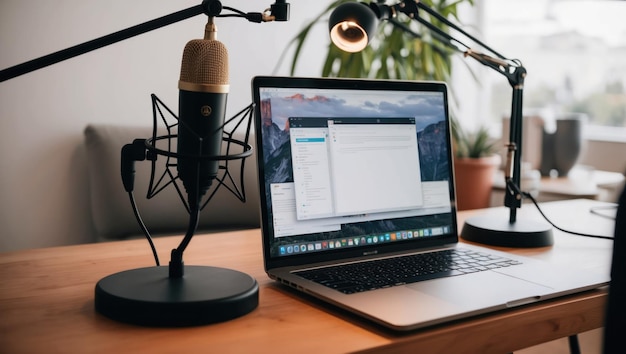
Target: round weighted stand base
x=495, y=231
x=148, y=297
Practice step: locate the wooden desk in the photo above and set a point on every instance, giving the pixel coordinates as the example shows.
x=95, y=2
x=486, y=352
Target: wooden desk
x=46, y=303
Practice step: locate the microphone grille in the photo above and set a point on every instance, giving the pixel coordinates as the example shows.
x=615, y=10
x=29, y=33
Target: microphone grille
x=205, y=62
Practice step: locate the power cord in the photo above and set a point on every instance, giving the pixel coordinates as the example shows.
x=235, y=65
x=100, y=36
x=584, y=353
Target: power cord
x=146, y=233
x=593, y=210
x=131, y=153
x=597, y=211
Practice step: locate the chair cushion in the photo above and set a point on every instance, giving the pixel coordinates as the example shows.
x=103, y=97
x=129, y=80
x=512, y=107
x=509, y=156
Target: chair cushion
x=165, y=213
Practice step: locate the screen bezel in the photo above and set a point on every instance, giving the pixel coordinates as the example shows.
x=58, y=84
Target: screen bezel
x=270, y=261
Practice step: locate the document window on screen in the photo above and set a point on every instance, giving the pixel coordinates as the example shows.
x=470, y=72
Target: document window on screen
x=354, y=166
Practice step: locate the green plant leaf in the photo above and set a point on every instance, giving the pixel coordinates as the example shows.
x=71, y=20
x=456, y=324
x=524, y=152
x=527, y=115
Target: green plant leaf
x=395, y=54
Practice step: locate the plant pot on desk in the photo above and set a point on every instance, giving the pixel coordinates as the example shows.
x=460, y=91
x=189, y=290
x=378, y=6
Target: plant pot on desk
x=474, y=181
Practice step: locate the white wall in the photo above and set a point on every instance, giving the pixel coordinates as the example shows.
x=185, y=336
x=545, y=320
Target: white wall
x=43, y=181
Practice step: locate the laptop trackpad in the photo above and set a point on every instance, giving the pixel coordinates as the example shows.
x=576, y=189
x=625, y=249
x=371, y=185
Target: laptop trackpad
x=482, y=289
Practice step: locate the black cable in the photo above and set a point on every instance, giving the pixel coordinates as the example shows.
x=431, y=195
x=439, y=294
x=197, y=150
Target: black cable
x=232, y=15
x=241, y=13
x=131, y=195
x=528, y=195
x=596, y=211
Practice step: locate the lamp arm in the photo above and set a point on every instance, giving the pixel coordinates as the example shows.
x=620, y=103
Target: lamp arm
x=506, y=67
x=452, y=25
x=447, y=42
x=513, y=195
x=511, y=69
x=515, y=74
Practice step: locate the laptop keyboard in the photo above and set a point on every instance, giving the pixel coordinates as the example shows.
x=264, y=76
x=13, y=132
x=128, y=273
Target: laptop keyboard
x=382, y=273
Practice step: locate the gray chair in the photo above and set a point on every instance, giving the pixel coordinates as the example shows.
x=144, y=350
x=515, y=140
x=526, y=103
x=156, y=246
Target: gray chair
x=163, y=214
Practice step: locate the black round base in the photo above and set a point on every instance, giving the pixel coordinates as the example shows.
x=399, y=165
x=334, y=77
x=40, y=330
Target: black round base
x=496, y=231
x=148, y=297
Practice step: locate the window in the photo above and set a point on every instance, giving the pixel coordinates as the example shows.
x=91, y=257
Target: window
x=575, y=54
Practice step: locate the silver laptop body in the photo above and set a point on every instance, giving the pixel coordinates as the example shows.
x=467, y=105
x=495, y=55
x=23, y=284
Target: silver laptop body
x=354, y=170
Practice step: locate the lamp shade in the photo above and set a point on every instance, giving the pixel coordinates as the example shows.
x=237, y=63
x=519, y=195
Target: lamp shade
x=352, y=26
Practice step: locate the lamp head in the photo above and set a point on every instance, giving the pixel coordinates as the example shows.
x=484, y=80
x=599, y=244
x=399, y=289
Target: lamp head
x=352, y=26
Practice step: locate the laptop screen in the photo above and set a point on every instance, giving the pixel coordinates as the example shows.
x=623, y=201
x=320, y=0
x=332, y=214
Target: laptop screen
x=352, y=165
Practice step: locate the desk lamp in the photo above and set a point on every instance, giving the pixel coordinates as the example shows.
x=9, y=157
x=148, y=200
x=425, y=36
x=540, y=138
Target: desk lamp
x=178, y=295
x=352, y=26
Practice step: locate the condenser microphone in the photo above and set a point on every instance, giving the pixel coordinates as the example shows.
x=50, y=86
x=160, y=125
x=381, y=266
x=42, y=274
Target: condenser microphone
x=203, y=89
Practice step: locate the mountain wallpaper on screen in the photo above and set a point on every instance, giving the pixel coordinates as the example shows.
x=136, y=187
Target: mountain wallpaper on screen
x=433, y=153
x=432, y=143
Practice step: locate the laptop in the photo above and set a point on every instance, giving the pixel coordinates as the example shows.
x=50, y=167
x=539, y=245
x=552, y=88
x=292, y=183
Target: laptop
x=358, y=206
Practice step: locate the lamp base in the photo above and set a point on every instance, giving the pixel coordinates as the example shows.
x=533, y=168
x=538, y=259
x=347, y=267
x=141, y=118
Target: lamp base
x=496, y=231
x=148, y=297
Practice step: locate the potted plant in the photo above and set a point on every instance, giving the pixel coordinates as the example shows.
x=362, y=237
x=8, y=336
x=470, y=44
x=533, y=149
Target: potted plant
x=475, y=164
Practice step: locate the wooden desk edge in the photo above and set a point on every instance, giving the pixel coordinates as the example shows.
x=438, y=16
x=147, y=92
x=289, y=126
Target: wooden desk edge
x=499, y=333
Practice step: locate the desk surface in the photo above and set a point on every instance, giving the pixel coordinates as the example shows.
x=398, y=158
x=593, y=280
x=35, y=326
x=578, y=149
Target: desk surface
x=46, y=302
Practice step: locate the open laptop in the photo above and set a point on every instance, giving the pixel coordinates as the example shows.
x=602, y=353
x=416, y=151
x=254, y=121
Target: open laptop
x=356, y=176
